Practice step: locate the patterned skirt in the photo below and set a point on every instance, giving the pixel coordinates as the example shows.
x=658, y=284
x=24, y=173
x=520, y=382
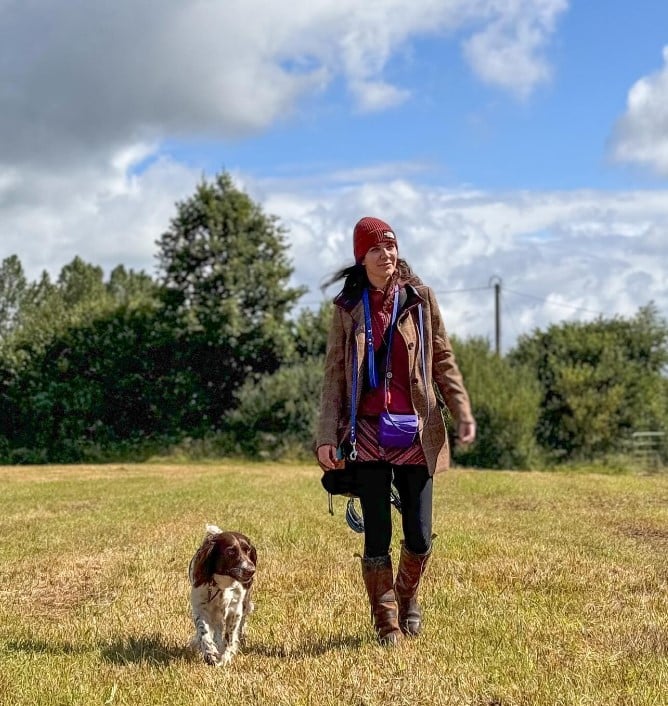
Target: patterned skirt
x=369, y=450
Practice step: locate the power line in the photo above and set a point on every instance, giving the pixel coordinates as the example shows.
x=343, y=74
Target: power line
x=552, y=303
x=456, y=291
x=496, y=284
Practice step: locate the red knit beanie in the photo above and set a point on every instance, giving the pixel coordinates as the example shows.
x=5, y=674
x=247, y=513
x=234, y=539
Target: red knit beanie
x=369, y=232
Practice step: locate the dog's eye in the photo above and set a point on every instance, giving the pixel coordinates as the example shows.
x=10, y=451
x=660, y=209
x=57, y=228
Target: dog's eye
x=230, y=551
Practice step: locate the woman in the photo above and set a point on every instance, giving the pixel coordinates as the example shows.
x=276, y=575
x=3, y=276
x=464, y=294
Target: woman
x=388, y=344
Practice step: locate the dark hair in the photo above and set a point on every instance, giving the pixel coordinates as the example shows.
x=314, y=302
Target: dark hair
x=355, y=279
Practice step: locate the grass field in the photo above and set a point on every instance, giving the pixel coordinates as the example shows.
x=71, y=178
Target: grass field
x=545, y=588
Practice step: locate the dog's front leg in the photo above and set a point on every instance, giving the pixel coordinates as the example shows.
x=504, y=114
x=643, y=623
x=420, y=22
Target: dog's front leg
x=220, y=638
x=247, y=608
x=206, y=642
x=232, y=632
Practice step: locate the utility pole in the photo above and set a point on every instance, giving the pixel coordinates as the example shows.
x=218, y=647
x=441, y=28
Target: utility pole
x=496, y=281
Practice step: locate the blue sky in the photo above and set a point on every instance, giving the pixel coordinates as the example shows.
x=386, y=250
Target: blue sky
x=465, y=131
x=526, y=139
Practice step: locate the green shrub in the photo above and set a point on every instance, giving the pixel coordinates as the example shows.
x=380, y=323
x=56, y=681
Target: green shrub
x=505, y=401
x=277, y=414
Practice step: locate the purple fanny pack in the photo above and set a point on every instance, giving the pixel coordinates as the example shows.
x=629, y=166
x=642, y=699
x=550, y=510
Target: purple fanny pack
x=397, y=431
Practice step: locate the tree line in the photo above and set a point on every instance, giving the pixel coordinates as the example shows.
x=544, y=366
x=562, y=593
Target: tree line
x=207, y=357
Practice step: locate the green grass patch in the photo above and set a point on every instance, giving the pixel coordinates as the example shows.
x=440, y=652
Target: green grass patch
x=544, y=589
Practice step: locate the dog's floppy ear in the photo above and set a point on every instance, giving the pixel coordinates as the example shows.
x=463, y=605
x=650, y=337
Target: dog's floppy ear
x=252, y=552
x=201, y=563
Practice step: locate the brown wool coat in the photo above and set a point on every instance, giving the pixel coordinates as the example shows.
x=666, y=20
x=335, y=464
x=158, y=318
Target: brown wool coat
x=347, y=329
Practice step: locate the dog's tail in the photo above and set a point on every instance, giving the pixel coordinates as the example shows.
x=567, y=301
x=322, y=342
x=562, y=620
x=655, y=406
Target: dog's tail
x=213, y=529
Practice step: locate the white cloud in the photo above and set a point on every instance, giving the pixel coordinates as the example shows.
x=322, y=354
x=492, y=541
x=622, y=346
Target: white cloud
x=372, y=96
x=106, y=216
x=81, y=79
x=508, y=50
x=561, y=255
x=555, y=251
x=641, y=135
x=91, y=90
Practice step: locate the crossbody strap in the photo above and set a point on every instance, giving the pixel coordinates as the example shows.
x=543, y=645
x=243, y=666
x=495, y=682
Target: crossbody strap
x=388, y=374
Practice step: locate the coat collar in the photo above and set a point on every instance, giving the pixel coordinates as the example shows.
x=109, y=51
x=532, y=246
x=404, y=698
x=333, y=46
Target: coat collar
x=412, y=298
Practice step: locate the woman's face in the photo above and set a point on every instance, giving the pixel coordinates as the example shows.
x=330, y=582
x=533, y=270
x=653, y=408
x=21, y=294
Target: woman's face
x=380, y=263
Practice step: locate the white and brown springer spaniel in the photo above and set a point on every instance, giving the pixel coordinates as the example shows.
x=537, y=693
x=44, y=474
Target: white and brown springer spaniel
x=221, y=576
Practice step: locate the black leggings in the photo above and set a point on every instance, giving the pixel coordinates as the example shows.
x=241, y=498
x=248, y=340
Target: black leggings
x=414, y=485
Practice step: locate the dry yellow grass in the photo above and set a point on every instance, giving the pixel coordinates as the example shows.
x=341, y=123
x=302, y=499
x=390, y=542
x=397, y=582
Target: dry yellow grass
x=544, y=589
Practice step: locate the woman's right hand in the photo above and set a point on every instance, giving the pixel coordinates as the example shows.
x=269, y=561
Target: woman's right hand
x=327, y=458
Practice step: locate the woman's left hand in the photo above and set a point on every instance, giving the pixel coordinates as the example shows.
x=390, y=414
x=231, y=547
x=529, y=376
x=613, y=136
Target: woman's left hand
x=466, y=432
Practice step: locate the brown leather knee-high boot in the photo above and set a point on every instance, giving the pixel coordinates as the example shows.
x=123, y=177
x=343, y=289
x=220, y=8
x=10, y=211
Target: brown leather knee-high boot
x=409, y=573
x=378, y=579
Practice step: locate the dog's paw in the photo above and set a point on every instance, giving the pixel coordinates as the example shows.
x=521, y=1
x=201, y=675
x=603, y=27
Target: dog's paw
x=213, y=658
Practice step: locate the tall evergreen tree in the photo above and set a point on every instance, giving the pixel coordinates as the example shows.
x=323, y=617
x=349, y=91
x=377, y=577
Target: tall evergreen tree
x=310, y=330
x=225, y=270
